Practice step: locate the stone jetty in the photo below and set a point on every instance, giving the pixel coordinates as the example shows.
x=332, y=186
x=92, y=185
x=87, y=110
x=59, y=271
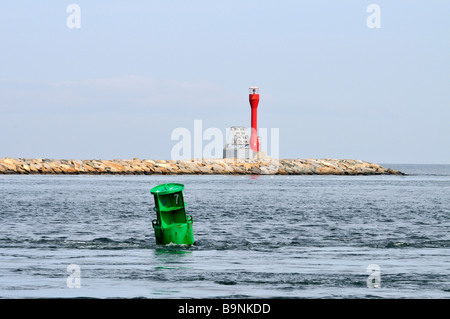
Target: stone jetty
x=136, y=166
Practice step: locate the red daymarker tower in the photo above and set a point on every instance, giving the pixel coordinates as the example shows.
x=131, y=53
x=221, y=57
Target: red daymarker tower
x=254, y=101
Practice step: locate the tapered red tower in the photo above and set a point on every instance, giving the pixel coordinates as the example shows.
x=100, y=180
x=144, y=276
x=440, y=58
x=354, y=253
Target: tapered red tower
x=254, y=101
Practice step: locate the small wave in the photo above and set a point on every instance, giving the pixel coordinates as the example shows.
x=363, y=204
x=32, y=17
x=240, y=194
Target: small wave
x=64, y=242
x=226, y=282
x=103, y=240
x=412, y=244
x=221, y=244
x=392, y=244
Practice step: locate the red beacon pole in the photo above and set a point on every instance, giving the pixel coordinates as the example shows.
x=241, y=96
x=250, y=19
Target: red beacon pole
x=254, y=100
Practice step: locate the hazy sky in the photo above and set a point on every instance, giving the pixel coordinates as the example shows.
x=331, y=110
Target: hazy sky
x=136, y=70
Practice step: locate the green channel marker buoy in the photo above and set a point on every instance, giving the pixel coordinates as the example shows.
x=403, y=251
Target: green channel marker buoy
x=171, y=225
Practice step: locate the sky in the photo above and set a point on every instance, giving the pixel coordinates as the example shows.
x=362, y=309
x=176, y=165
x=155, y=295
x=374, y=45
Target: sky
x=118, y=84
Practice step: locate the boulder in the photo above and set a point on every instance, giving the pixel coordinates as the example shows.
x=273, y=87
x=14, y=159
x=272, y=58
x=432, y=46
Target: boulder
x=9, y=164
x=67, y=169
x=218, y=169
x=256, y=170
x=46, y=169
x=113, y=166
x=89, y=169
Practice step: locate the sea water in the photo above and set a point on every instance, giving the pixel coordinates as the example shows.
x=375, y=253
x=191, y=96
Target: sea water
x=255, y=236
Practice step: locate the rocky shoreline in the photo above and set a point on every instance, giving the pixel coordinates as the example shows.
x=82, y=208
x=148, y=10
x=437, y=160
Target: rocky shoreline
x=136, y=166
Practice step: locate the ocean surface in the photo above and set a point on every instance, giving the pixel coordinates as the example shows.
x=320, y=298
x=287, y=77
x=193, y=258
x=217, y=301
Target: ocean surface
x=255, y=237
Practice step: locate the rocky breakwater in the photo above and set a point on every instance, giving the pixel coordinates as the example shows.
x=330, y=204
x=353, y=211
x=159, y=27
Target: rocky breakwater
x=264, y=166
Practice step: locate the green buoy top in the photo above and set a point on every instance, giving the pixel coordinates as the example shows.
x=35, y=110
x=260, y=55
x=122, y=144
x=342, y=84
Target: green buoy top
x=168, y=188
